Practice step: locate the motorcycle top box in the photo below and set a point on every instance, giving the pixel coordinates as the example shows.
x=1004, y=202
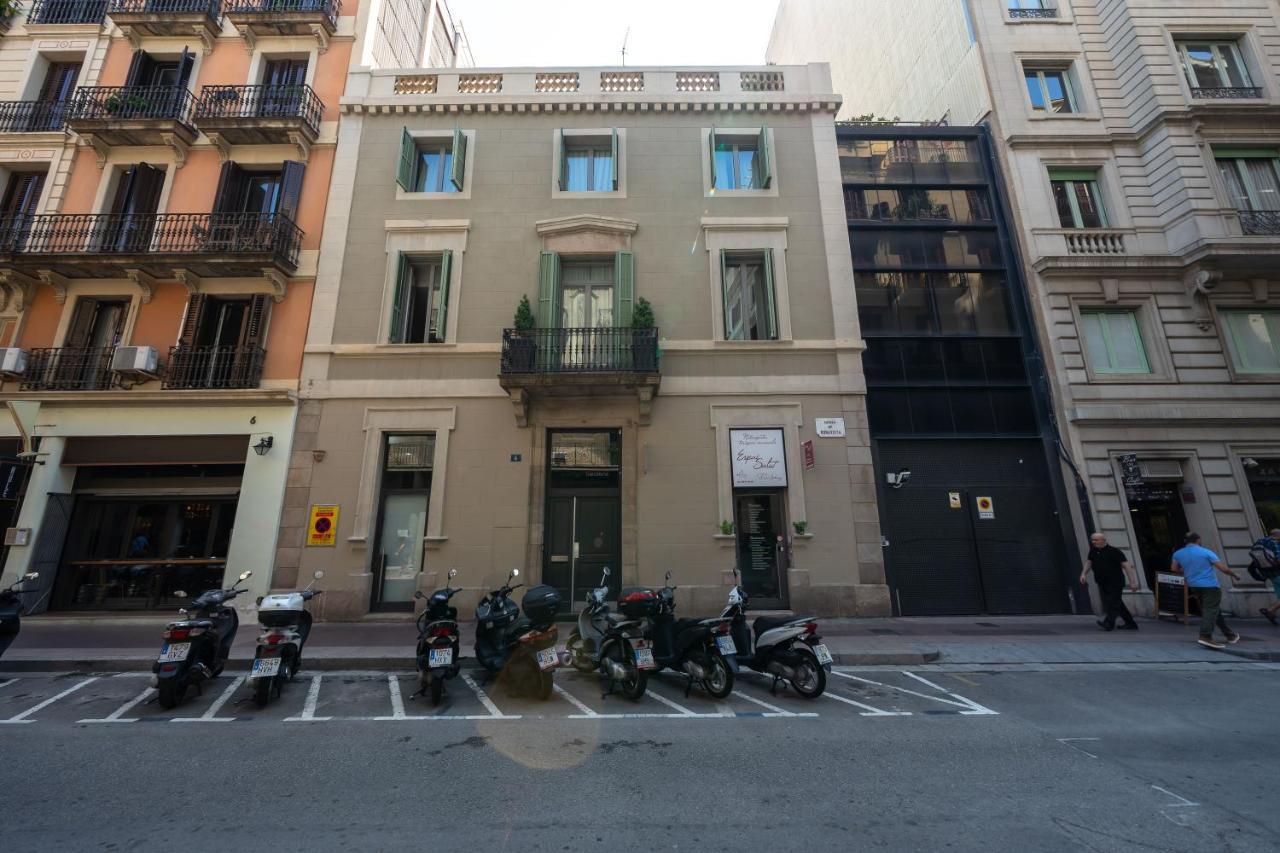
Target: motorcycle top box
x=278, y=611
x=638, y=602
x=540, y=603
x=497, y=613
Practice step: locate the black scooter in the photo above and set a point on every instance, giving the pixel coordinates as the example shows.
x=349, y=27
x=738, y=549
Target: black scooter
x=11, y=610
x=196, y=648
x=520, y=650
x=700, y=648
x=438, y=642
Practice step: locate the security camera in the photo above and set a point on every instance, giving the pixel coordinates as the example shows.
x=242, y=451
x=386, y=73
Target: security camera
x=899, y=479
x=1249, y=462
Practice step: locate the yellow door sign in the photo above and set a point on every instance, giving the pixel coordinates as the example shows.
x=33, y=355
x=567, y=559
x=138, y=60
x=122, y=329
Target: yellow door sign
x=986, y=509
x=323, y=528
x=954, y=498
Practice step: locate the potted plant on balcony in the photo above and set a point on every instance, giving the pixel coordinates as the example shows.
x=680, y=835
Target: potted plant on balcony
x=645, y=343
x=523, y=350
x=8, y=8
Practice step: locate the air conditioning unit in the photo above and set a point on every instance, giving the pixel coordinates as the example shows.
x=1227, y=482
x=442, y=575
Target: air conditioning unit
x=13, y=362
x=1160, y=469
x=136, y=361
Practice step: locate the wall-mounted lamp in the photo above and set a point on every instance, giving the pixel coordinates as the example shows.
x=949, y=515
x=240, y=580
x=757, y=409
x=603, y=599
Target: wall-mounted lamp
x=318, y=455
x=264, y=445
x=899, y=479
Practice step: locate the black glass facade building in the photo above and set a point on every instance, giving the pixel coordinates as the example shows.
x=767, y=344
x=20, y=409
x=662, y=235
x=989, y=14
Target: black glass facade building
x=954, y=394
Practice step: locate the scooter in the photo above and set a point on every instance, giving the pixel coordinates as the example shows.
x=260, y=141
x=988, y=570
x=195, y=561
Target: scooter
x=700, y=648
x=611, y=644
x=196, y=648
x=788, y=648
x=438, y=642
x=286, y=624
x=520, y=650
x=11, y=610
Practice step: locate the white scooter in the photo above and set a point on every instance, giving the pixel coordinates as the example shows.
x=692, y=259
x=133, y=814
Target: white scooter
x=286, y=625
x=788, y=648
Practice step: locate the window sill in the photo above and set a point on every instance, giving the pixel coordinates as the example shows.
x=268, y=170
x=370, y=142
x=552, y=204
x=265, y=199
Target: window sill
x=768, y=192
x=557, y=193
x=1130, y=379
x=402, y=195
x=413, y=349
x=726, y=540
x=1058, y=20
x=1034, y=116
x=767, y=345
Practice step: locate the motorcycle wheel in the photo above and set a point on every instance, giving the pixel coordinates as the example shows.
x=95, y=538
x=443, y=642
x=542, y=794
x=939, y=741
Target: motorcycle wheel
x=168, y=695
x=811, y=678
x=633, y=686
x=437, y=690
x=261, y=691
x=720, y=681
x=577, y=650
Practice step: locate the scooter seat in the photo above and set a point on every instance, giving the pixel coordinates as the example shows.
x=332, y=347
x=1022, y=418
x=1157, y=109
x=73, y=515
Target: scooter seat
x=685, y=624
x=768, y=623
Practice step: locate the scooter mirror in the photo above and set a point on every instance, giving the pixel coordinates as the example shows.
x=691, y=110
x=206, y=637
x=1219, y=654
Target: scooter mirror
x=668, y=574
x=453, y=573
x=30, y=576
x=417, y=593
x=317, y=574
x=179, y=593
x=244, y=576
x=606, y=571
x=515, y=573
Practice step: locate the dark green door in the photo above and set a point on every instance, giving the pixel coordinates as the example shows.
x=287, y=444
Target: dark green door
x=583, y=537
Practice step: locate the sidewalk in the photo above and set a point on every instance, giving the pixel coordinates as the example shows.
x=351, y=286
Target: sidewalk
x=131, y=642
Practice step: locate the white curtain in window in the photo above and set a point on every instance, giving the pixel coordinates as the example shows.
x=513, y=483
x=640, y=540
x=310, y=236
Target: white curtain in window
x=1263, y=174
x=1254, y=338
x=602, y=180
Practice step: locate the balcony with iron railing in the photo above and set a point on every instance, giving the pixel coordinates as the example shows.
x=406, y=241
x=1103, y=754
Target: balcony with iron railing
x=284, y=17
x=1265, y=223
x=168, y=17
x=1226, y=93
x=66, y=12
x=214, y=367
x=1043, y=14
x=105, y=245
x=133, y=115
x=259, y=115
x=68, y=369
x=32, y=116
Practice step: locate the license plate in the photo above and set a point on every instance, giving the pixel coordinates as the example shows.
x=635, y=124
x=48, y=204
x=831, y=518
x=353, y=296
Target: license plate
x=824, y=656
x=725, y=644
x=547, y=658
x=439, y=657
x=644, y=659
x=174, y=652
x=265, y=667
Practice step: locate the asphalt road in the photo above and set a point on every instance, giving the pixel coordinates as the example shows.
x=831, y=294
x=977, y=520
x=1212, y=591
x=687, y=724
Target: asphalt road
x=1075, y=758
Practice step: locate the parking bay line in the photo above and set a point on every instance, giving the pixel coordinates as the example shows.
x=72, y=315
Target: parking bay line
x=976, y=708
x=968, y=706
x=117, y=716
x=572, y=700
x=776, y=711
x=211, y=715
x=685, y=712
x=18, y=719
x=309, y=708
x=7, y=682
x=494, y=711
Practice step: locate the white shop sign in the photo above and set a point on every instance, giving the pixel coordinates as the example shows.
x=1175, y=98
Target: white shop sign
x=758, y=458
x=829, y=427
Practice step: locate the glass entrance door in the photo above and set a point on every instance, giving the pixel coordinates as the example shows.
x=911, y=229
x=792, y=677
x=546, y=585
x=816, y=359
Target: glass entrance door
x=760, y=521
x=404, y=523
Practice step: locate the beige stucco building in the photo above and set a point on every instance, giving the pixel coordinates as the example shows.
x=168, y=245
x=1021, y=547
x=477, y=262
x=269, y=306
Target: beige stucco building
x=679, y=235
x=1141, y=146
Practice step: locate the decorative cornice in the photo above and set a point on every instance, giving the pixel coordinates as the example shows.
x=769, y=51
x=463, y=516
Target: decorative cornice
x=506, y=105
x=745, y=223
x=586, y=222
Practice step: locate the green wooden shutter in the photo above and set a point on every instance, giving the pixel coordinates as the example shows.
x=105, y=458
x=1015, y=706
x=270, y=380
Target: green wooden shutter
x=771, y=319
x=615, y=159
x=404, y=274
x=458, y=174
x=408, y=161
x=624, y=286
x=766, y=160
x=548, y=290
x=712, y=146
x=442, y=315
x=724, y=293
x=1073, y=174
x=564, y=163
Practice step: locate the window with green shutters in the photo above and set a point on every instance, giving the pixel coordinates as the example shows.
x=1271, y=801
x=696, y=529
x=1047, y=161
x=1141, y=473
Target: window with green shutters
x=587, y=292
x=1113, y=341
x=740, y=160
x=420, y=302
x=588, y=163
x=432, y=164
x=749, y=310
x=1253, y=336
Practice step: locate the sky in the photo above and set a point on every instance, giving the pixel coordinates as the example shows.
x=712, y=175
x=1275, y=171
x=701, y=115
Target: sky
x=590, y=32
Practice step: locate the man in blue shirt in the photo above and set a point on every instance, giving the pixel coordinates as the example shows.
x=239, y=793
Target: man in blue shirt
x=1197, y=564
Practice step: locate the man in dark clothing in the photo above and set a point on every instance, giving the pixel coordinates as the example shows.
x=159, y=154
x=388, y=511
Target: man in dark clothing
x=1112, y=573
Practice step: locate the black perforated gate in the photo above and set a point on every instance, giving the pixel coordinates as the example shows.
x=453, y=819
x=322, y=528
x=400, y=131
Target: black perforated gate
x=948, y=560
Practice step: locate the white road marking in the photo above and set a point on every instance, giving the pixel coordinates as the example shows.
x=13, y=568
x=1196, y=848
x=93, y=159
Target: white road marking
x=586, y=712
x=1068, y=741
x=309, y=708
x=976, y=708
x=777, y=712
x=868, y=710
x=117, y=716
x=397, y=701
x=7, y=682
x=211, y=715
x=22, y=718
x=411, y=718
x=1182, y=803
x=493, y=709
x=970, y=707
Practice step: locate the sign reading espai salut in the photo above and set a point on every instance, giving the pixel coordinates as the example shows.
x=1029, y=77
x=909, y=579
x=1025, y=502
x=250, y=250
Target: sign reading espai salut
x=758, y=458
x=829, y=427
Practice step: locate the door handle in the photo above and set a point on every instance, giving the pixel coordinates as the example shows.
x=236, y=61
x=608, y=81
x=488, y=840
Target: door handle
x=577, y=550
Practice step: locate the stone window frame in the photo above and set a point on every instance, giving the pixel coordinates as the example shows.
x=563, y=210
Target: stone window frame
x=1111, y=195
x=708, y=191
x=1246, y=38
x=592, y=133
x=468, y=168
x=423, y=237
x=105, y=289
x=789, y=417
x=1084, y=99
x=748, y=234
x=1154, y=342
x=380, y=422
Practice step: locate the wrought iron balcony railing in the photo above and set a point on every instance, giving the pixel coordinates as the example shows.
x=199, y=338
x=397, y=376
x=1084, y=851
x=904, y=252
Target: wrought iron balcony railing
x=130, y=103
x=68, y=369
x=67, y=12
x=214, y=367
x=212, y=9
x=1260, y=222
x=249, y=102
x=267, y=8
x=32, y=116
x=603, y=350
x=1223, y=93
x=1025, y=14
x=105, y=234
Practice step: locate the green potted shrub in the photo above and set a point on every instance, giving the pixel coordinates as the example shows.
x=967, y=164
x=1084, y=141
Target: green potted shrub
x=523, y=352
x=8, y=8
x=800, y=526
x=726, y=527
x=646, y=345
